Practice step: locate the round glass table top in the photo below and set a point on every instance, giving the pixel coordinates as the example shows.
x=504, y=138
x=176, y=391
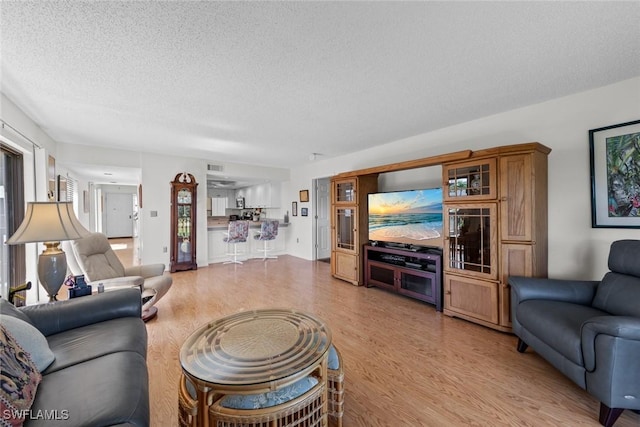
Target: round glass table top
x=255, y=347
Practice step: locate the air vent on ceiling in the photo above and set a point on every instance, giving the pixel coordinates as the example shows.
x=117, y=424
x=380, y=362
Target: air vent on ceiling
x=214, y=168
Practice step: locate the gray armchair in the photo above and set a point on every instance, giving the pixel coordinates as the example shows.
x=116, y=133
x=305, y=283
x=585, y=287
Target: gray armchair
x=92, y=256
x=588, y=330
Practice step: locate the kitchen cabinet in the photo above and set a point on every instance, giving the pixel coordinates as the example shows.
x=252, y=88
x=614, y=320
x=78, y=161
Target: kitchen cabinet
x=265, y=195
x=218, y=206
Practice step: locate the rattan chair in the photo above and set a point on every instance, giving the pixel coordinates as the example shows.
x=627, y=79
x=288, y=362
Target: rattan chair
x=335, y=388
x=303, y=411
x=187, y=404
x=300, y=412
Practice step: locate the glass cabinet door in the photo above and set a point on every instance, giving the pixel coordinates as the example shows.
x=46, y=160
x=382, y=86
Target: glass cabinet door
x=345, y=220
x=184, y=225
x=345, y=191
x=471, y=237
x=470, y=180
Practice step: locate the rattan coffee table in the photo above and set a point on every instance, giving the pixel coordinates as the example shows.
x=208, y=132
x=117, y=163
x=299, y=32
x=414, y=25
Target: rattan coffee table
x=255, y=352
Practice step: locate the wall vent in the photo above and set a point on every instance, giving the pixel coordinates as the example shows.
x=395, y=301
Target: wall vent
x=214, y=168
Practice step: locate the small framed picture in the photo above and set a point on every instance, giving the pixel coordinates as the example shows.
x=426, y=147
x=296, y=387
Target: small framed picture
x=294, y=208
x=304, y=212
x=304, y=195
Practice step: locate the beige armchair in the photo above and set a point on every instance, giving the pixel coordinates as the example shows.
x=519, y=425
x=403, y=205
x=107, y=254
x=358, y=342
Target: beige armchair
x=92, y=256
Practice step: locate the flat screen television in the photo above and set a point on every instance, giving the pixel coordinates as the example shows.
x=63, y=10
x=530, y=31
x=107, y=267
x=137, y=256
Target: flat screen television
x=410, y=217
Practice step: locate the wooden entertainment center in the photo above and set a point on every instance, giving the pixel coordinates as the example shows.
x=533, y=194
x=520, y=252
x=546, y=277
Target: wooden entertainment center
x=495, y=226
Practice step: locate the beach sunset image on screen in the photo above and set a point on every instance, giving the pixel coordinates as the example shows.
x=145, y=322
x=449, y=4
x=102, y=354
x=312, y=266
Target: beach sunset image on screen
x=410, y=217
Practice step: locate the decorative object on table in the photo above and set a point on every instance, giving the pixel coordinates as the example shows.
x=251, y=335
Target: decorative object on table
x=79, y=288
x=183, y=222
x=50, y=223
x=304, y=195
x=615, y=176
x=294, y=208
x=304, y=212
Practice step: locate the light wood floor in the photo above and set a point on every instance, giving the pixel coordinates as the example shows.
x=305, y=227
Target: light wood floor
x=405, y=363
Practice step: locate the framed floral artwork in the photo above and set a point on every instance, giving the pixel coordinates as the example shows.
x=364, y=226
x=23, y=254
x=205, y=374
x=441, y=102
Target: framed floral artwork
x=615, y=175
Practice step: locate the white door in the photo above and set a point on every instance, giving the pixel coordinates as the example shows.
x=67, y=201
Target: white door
x=323, y=208
x=119, y=214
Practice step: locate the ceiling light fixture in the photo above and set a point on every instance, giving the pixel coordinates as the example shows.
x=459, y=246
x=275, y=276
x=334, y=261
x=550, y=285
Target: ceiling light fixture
x=314, y=156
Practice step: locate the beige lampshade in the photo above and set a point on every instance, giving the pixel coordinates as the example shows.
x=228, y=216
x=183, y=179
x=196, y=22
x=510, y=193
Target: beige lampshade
x=48, y=222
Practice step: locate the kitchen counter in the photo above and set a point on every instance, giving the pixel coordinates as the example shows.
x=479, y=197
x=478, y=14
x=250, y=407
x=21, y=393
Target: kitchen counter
x=218, y=250
x=214, y=223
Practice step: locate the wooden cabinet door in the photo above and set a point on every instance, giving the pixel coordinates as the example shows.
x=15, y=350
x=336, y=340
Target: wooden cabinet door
x=471, y=297
x=516, y=260
x=381, y=275
x=516, y=198
x=345, y=266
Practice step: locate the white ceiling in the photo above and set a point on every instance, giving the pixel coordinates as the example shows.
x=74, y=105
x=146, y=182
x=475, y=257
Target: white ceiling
x=270, y=83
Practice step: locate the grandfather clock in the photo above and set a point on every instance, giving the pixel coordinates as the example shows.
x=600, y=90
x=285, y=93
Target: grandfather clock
x=183, y=222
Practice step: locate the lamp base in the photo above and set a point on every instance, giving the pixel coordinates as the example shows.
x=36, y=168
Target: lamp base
x=52, y=269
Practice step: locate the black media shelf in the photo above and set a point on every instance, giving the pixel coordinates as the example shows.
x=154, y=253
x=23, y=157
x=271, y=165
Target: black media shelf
x=414, y=273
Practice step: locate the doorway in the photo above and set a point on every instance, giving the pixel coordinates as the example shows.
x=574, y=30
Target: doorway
x=119, y=208
x=322, y=218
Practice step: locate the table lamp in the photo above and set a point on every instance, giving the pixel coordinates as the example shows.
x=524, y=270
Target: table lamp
x=50, y=223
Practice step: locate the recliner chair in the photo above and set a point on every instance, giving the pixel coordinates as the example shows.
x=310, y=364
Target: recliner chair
x=588, y=330
x=92, y=256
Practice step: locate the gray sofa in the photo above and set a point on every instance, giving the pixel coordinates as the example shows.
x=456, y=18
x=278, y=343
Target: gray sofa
x=588, y=330
x=99, y=374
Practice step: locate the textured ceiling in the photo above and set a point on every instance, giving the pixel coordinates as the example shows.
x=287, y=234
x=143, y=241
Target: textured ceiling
x=270, y=83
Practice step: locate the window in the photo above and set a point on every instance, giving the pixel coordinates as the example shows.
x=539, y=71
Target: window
x=12, y=258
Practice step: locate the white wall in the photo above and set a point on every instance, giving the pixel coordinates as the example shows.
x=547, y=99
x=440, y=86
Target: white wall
x=157, y=173
x=575, y=249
